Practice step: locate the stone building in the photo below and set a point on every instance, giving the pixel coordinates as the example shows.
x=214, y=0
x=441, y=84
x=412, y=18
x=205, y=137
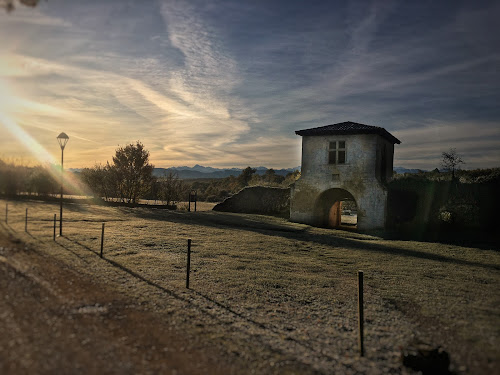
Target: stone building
x=343, y=162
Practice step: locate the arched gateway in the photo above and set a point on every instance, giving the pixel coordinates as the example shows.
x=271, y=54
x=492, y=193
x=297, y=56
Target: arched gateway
x=343, y=162
x=328, y=207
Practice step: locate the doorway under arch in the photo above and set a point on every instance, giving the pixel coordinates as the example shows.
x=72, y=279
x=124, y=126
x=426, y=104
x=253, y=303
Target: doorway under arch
x=336, y=208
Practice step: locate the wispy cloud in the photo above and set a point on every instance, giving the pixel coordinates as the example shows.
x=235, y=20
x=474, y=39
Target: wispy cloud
x=226, y=84
x=476, y=142
x=34, y=16
x=208, y=72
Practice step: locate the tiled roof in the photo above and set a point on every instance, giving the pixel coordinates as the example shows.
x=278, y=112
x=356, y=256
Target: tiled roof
x=349, y=127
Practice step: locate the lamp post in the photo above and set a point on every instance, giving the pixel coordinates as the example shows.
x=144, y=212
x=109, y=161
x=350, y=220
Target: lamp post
x=62, y=139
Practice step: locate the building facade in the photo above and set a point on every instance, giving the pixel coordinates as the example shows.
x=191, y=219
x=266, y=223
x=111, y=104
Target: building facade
x=343, y=162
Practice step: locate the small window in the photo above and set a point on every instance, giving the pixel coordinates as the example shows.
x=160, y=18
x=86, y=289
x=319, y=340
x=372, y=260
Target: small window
x=336, y=152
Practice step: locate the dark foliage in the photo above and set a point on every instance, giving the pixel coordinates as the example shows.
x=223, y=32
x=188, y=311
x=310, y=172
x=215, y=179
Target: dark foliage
x=429, y=204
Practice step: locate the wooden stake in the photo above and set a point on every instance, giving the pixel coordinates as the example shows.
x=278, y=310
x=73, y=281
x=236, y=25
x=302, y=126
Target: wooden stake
x=26, y=222
x=102, y=239
x=55, y=221
x=360, y=313
x=188, y=263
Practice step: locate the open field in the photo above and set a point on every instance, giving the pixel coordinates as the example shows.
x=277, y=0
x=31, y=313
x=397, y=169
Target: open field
x=280, y=297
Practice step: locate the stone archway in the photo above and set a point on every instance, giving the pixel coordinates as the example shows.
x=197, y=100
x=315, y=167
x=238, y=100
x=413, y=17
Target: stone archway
x=328, y=207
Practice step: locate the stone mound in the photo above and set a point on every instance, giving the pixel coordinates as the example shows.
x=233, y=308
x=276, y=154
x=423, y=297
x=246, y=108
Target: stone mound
x=258, y=200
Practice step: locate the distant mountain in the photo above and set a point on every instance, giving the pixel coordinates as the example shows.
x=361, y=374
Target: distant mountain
x=199, y=171
x=401, y=170
x=200, y=168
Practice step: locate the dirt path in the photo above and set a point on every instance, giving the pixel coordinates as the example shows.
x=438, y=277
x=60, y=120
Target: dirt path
x=53, y=320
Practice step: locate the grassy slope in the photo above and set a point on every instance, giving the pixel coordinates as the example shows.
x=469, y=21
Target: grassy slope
x=297, y=281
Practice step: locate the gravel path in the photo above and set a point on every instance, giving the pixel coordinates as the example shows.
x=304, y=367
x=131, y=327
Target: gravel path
x=54, y=321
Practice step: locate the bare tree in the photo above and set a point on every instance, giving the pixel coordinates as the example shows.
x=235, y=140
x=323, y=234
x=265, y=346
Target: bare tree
x=171, y=188
x=451, y=161
x=100, y=179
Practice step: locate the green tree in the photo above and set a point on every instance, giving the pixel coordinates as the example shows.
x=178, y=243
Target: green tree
x=132, y=171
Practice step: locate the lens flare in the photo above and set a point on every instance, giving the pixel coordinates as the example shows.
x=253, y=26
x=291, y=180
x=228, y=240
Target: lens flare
x=27, y=140
x=43, y=156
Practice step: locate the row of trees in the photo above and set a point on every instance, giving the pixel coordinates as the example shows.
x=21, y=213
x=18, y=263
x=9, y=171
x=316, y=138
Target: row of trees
x=112, y=182
x=130, y=177
x=18, y=179
x=127, y=178
x=218, y=189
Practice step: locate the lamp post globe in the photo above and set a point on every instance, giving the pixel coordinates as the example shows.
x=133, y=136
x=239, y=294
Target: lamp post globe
x=62, y=139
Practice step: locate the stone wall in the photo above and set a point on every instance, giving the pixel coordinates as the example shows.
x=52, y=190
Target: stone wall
x=258, y=200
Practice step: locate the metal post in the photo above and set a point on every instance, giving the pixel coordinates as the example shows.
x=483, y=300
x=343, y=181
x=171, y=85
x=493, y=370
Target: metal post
x=61, y=205
x=6, y=213
x=189, y=202
x=26, y=221
x=195, y=200
x=55, y=221
x=360, y=313
x=102, y=239
x=188, y=263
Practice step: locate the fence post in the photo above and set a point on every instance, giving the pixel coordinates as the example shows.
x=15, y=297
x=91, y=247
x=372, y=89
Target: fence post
x=26, y=221
x=6, y=213
x=360, y=313
x=55, y=221
x=195, y=199
x=188, y=263
x=189, y=202
x=102, y=239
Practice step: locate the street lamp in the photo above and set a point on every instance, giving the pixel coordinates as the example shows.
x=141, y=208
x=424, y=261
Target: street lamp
x=62, y=139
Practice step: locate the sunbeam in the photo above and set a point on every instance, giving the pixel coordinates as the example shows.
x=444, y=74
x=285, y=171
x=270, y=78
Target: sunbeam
x=38, y=151
x=42, y=155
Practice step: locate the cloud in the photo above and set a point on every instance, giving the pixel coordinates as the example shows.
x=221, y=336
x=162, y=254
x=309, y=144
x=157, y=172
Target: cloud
x=163, y=118
x=208, y=73
x=33, y=16
x=478, y=143
x=229, y=83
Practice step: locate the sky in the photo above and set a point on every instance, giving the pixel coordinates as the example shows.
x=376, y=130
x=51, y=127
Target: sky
x=227, y=83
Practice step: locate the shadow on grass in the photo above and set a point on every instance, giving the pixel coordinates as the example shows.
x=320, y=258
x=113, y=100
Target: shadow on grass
x=60, y=244
x=13, y=234
x=201, y=295
x=350, y=240
x=273, y=329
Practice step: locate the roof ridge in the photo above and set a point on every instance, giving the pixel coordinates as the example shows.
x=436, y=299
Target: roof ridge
x=349, y=127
